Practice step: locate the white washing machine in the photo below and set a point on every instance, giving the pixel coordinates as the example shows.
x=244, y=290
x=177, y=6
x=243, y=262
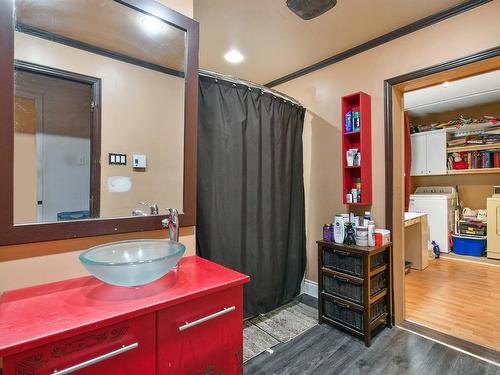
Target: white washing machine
x=438, y=202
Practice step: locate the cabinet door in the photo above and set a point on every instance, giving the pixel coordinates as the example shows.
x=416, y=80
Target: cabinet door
x=127, y=348
x=202, y=336
x=418, y=155
x=436, y=153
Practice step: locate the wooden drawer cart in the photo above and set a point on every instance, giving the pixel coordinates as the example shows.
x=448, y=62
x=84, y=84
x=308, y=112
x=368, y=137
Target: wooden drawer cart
x=355, y=287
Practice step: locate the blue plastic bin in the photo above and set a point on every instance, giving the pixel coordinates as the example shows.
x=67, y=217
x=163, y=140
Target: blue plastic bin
x=468, y=245
x=73, y=215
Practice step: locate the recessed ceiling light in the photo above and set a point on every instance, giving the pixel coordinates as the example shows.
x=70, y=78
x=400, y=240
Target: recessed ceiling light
x=446, y=84
x=234, y=56
x=152, y=24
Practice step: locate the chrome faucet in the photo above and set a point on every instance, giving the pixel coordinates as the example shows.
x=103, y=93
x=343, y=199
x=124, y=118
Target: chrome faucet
x=172, y=223
x=153, y=209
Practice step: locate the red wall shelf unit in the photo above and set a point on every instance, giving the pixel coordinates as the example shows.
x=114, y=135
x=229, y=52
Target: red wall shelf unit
x=362, y=141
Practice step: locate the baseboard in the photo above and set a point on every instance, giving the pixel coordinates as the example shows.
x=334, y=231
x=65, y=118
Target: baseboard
x=310, y=288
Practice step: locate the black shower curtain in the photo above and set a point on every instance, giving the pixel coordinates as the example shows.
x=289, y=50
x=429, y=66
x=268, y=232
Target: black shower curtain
x=250, y=213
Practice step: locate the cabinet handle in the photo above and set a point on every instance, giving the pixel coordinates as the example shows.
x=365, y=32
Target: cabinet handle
x=343, y=304
x=341, y=252
x=344, y=279
x=224, y=311
x=95, y=360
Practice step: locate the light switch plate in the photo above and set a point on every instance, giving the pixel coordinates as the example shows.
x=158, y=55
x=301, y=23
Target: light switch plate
x=117, y=159
x=139, y=161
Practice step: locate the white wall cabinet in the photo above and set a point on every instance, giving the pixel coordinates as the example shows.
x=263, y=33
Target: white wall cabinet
x=428, y=153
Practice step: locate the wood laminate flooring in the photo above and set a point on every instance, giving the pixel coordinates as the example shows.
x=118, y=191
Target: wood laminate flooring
x=458, y=298
x=326, y=350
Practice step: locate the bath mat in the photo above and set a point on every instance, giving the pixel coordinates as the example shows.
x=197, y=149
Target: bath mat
x=255, y=341
x=288, y=321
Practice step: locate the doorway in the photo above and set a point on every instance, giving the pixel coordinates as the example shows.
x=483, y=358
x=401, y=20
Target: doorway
x=57, y=116
x=395, y=88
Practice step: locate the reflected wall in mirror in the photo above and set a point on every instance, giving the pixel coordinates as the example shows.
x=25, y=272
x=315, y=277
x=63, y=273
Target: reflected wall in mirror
x=99, y=87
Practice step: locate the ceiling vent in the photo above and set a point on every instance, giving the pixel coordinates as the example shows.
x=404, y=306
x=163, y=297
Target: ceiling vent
x=309, y=9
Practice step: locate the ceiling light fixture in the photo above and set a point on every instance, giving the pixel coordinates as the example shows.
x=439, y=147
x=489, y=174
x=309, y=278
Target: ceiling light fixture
x=234, y=56
x=309, y=9
x=446, y=84
x=152, y=24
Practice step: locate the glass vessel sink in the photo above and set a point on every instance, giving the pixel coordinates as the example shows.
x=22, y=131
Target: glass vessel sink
x=132, y=263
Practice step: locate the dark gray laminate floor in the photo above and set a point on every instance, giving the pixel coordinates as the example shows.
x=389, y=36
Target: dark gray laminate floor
x=325, y=350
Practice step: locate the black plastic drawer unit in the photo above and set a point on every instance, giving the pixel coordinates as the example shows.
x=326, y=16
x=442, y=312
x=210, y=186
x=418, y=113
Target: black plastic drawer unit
x=343, y=313
x=377, y=309
x=355, y=290
x=378, y=260
x=343, y=287
x=377, y=283
x=343, y=261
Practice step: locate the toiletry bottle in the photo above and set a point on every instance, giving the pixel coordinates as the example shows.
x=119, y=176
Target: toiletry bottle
x=327, y=232
x=356, y=121
x=371, y=233
x=348, y=122
x=436, y=249
x=355, y=222
x=358, y=188
x=338, y=231
x=367, y=218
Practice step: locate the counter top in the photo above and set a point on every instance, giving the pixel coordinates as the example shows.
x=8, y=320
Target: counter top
x=413, y=215
x=30, y=317
x=355, y=248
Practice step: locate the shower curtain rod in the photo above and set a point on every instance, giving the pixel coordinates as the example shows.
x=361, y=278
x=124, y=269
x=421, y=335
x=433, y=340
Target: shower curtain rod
x=235, y=80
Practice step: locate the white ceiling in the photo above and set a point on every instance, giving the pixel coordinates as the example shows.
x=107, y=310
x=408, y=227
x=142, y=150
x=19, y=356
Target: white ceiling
x=462, y=93
x=276, y=42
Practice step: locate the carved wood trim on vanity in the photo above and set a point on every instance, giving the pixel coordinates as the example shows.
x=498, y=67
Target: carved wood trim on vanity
x=29, y=250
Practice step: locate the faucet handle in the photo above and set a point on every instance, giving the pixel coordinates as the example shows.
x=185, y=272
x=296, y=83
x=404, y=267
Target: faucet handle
x=153, y=207
x=172, y=223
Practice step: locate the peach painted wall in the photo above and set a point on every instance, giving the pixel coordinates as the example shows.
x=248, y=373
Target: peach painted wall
x=64, y=263
x=142, y=111
x=320, y=92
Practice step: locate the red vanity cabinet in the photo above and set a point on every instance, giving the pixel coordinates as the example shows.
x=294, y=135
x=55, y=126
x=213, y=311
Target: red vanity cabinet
x=125, y=348
x=188, y=322
x=202, y=336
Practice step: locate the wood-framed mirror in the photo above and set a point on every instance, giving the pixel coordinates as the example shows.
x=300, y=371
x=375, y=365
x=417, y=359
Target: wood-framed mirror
x=98, y=117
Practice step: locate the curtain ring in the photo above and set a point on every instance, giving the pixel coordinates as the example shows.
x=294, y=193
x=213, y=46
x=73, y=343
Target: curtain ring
x=249, y=89
x=216, y=80
x=234, y=84
x=274, y=97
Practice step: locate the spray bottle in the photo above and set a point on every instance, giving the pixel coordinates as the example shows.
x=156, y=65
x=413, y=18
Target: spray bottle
x=435, y=248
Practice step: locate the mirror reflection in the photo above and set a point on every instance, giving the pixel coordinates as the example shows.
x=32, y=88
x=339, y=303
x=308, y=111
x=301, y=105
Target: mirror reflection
x=99, y=111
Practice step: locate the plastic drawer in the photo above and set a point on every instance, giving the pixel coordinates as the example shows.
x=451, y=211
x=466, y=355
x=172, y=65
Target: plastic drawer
x=343, y=287
x=343, y=313
x=378, y=260
x=377, y=309
x=378, y=283
x=343, y=261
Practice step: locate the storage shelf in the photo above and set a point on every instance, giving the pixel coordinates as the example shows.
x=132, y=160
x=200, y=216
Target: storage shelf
x=360, y=140
x=376, y=271
x=350, y=134
x=493, y=146
x=378, y=296
x=474, y=171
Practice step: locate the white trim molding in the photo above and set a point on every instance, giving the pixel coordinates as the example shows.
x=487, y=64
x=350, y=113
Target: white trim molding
x=309, y=287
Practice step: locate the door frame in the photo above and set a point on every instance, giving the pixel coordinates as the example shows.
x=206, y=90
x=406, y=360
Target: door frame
x=394, y=89
x=95, y=123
